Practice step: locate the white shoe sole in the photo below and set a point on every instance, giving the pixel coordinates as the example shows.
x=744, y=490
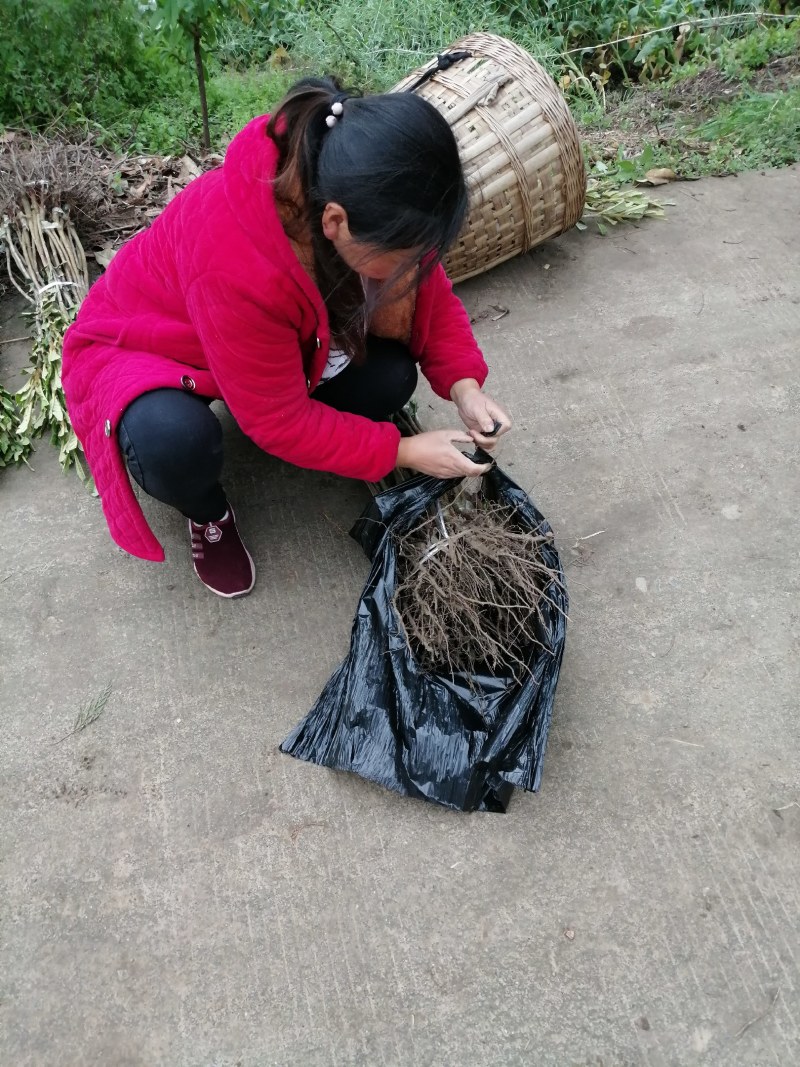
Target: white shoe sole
x=231, y=596
x=217, y=592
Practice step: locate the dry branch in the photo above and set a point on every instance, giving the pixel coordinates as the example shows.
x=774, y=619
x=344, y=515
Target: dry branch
x=472, y=602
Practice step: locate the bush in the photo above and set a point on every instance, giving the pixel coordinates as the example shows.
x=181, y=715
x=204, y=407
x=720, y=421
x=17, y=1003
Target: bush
x=758, y=130
x=372, y=44
x=234, y=99
x=68, y=59
x=758, y=48
x=641, y=41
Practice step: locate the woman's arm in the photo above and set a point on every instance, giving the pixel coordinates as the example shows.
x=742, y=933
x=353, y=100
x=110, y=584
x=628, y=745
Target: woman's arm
x=442, y=337
x=453, y=363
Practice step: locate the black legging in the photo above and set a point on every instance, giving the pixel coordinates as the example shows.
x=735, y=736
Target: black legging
x=172, y=441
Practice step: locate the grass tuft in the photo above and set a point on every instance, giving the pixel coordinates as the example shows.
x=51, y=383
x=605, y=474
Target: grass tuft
x=757, y=130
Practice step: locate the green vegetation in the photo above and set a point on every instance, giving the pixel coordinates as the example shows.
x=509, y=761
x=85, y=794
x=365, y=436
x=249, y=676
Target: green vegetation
x=644, y=41
x=754, y=51
x=704, y=88
x=740, y=112
x=80, y=63
x=694, y=80
x=757, y=130
x=190, y=27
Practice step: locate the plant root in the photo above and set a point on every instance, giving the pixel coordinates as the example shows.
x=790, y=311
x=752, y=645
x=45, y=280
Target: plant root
x=472, y=602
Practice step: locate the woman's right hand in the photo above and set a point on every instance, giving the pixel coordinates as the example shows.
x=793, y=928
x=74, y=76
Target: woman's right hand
x=435, y=453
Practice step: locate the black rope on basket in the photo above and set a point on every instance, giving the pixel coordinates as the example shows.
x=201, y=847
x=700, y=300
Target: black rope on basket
x=443, y=62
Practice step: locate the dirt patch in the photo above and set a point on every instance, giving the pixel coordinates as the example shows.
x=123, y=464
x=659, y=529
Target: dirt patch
x=700, y=90
x=637, y=118
x=637, y=115
x=783, y=73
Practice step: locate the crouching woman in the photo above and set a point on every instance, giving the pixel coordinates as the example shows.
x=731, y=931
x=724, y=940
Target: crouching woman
x=301, y=283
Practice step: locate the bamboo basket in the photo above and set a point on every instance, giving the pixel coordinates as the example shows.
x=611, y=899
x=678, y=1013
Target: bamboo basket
x=519, y=146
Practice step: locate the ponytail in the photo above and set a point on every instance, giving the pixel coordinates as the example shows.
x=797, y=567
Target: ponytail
x=298, y=129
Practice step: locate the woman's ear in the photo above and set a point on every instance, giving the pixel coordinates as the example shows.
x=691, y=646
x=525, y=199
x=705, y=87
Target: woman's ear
x=334, y=222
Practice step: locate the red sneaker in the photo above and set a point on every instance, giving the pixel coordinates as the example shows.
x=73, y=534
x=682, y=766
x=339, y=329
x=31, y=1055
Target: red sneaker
x=220, y=560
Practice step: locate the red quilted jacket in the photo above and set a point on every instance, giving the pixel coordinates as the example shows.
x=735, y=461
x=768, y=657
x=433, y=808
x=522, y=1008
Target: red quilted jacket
x=212, y=298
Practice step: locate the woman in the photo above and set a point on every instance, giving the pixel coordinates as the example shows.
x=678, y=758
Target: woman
x=301, y=283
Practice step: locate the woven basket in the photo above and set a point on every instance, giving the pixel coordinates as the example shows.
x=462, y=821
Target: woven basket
x=518, y=143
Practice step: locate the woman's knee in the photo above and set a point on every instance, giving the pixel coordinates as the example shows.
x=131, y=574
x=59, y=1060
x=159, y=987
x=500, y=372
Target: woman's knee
x=169, y=434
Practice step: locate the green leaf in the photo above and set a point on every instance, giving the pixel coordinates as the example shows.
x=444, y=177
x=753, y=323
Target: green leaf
x=646, y=157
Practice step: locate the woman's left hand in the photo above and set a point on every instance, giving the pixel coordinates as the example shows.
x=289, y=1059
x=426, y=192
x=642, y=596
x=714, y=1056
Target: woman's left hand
x=479, y=413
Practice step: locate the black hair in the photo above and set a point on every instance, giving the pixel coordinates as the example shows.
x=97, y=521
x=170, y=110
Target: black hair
x=392, y=163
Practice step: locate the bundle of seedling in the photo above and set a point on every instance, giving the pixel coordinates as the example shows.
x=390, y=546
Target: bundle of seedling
x=472, y=581
x=46, y=187
x=58, y=201
x=471, y=585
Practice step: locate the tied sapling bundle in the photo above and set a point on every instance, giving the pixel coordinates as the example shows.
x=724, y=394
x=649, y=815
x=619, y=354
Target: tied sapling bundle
x=472, y=584
x=45, y=187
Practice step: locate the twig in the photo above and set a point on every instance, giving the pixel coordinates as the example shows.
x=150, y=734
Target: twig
x=759, y=1017
x=663, y=655
x=13, y=340
x=89, y=713
x=295, y=832
x=336, y=525
x=485, y=598
x=353, y=59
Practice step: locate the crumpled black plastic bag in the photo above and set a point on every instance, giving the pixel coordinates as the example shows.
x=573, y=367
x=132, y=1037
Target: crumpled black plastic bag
x=464, y=742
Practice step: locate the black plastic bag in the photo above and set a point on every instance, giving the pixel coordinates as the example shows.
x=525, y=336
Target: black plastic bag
x=462, y=741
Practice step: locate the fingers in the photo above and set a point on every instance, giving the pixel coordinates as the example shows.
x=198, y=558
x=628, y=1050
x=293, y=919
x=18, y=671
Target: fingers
x=486, y=418
x=461, y=436
x=493, y=436
x=465, y=468
x=462, y=465
x=489, y=441
x=483, y=423
x=437, y=453
x=501, y=424
x=469, y=469
x=478, y=470
x=488, y=444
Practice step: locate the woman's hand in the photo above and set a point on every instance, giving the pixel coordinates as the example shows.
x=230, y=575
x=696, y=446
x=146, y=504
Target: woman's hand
x=435, y=453
x=479, y=413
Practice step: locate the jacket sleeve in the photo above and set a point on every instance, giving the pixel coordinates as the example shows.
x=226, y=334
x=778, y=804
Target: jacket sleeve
x=253, y=351
x=448, y=349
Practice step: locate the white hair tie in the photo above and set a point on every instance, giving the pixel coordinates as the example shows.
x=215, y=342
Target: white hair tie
x=336, y=109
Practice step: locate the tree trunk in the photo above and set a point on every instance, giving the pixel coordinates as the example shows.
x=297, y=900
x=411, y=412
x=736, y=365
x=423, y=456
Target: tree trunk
x=201, y=85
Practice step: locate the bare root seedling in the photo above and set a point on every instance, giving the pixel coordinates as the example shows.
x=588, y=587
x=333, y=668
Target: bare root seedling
x=475, y=604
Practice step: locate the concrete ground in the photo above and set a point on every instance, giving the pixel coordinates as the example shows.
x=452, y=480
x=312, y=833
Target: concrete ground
x=176, y=892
